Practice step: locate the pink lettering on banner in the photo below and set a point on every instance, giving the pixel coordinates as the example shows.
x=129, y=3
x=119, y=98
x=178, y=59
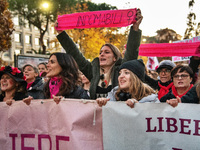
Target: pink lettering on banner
x=171, y=122
x=59, y=138
x=95, y=19
x=44, y=136
x=13, y=136
x=23, y=136
x=173, y=127
x=197, y=127
x=183, y=126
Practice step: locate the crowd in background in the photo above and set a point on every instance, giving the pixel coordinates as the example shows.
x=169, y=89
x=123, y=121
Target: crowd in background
x=109, y=77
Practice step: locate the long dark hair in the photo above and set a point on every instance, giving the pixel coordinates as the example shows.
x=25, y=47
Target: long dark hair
x=69, y=74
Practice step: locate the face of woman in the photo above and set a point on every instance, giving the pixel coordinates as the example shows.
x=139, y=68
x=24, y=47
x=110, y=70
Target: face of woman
x=124, y=79
x=165, y=75
x=182, y=80
x=106, y=57
x=41, y=68
x=53, y=67
x=7, y=83
x=30, y=74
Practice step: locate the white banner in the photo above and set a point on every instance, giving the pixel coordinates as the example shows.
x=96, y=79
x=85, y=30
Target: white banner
x=151, y=127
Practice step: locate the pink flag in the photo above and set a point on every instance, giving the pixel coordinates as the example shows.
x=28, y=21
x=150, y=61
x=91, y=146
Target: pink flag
x=170, y=49
x=95, y=19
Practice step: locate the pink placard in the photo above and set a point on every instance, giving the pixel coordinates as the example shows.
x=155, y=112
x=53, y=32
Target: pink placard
x=96, y=19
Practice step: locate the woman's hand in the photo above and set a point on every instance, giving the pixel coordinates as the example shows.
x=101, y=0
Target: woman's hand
x=10, y=102
x=56, y=25
x=138, y=18
x=57, y=99
x=28, y=100
x=174, y=102
x=102, y=101
x=131, y=102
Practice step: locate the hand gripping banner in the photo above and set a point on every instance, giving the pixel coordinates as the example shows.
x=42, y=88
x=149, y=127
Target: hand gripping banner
x=96, y=19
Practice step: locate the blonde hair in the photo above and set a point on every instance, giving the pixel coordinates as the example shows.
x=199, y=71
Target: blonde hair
x=137, y=88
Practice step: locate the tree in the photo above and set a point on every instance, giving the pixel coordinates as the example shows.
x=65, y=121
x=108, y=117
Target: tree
x=40, y=17
x=167, y=35
x=6, y=26
x=191, y=29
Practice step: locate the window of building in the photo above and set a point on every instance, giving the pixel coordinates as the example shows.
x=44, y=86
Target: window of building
x=16, y=20
x=37, y=41
x=27, y=39
x=17, y=51
x=46, y=42
x=17, y=37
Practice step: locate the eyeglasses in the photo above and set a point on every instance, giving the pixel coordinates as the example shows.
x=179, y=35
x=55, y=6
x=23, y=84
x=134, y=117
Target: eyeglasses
x=183, y=76
x=164, y=71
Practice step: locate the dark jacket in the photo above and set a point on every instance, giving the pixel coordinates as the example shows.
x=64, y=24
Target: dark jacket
x=194, y=65
x=18, y=96
x=190, y=96
x=92, y=69
x=78, y=93
x=36, y=89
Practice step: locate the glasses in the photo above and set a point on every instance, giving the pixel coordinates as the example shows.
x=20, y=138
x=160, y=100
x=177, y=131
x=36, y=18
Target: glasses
x=183, y=76
x=164, y=71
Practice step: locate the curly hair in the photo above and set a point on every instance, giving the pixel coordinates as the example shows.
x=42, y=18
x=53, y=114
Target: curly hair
x=69, y=74
x=137, y=88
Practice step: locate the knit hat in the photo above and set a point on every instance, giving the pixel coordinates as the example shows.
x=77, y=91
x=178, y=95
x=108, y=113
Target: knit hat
x=135, y=66
x=166, y=64
x=15, y=73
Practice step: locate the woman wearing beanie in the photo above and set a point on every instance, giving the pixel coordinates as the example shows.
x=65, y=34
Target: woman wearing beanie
x=182, y=76
x=102, y=72
x=131, y=87
x=13, y=85
x=164, y=84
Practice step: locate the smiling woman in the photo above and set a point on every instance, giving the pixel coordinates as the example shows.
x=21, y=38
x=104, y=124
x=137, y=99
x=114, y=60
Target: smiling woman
x=102, y=72
x=131, y=87
x=13, y=85
x=63, y=77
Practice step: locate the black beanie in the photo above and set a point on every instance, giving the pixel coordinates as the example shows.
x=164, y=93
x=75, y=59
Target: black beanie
x=135, y=66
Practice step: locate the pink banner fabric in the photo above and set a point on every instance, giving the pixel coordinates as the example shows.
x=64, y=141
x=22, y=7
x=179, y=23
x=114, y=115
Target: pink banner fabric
x=96, y=19
x=170, y=49
x=44, y=125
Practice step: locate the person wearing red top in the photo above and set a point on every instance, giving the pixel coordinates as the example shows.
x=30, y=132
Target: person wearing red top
x=182, y=76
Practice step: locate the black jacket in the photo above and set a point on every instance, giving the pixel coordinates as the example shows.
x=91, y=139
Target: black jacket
x=36, y=89
x=190, y=96
x=78, y=93
x=18, y=96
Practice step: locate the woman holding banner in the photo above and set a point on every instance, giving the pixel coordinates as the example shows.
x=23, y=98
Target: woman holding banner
x=13, y=85
x=63, y=78
x=131, y=87
x=102, y=72
x=182, y=76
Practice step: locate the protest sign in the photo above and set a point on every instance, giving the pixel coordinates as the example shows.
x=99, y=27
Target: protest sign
x=96, y=19
x=154, y=126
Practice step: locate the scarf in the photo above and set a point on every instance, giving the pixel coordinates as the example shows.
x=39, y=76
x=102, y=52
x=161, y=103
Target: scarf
x=54, y=85
x=163, y=89
x=174, y=91
x=29, y=85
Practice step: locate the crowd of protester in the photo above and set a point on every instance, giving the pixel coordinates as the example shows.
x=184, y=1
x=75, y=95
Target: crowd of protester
x=108, y=77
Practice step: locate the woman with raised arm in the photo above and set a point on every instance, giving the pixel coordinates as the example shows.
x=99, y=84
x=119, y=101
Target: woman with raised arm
x=102, y=72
